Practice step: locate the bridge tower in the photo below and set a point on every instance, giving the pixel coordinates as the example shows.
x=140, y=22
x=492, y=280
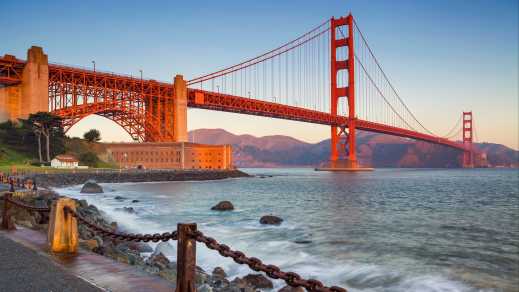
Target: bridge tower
x=343, y=154
x=468, y=155
x=28, y=91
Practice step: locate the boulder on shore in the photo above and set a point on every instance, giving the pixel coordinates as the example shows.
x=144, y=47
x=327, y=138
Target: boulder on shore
x=223, y=206
x=219, y=273
x=258, y=281
x=271, y=220
x=165, y=248
x=91, y=187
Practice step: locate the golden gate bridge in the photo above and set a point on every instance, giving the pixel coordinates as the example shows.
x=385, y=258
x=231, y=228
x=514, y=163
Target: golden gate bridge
x=327, y=76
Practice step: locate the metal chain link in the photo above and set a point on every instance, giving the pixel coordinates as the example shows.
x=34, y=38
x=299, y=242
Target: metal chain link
x=123, y=236
x=274, y=272
x=25, y=206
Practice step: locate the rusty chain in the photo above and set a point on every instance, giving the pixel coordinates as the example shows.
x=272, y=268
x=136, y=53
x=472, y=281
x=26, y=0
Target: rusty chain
x=123, y=236
x=25, y=206
x=274, y=272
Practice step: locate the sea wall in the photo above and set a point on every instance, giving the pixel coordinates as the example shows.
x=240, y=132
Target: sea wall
x=80, y=177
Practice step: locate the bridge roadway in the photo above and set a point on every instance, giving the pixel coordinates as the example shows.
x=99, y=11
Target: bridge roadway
x=111, y=84
x=236, y=104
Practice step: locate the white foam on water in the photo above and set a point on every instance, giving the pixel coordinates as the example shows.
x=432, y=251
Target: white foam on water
x=288, y=255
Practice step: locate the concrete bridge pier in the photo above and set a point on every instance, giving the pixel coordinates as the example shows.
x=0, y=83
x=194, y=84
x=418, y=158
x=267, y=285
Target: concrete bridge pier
x=31, y=94
x=180, y=109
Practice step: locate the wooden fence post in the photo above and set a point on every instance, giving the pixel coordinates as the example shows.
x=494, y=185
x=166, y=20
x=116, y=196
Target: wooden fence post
x=6, y=224
x=63, y=234
x=186, y=258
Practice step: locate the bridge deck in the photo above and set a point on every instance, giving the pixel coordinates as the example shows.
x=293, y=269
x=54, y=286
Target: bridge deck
x=136, y=89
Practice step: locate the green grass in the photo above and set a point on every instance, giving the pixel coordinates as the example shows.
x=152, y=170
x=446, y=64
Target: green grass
x=9, y=156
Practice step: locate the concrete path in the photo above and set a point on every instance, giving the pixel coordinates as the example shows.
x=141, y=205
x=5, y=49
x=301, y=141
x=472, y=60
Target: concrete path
x=25, y=252
x=24, y=270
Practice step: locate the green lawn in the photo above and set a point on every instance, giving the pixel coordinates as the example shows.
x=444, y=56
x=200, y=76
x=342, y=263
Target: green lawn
x=9, y=157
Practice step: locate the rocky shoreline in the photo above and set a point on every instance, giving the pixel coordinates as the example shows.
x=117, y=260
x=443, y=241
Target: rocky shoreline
x=137, y=254
x=141, y=255
x=115, y=176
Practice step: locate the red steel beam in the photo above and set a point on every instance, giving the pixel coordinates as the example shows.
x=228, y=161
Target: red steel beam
x=119, y=97
x=230, y=103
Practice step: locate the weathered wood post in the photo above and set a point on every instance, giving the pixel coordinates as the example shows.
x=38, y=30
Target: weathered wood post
x=6, y=219
x=63, y=234
x=186, y=258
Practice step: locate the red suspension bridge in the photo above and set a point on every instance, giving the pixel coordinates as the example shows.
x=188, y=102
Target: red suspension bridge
x=327, y=76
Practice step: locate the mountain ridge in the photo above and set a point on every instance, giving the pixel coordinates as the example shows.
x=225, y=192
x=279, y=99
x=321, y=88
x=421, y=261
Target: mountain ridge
x=376, y=150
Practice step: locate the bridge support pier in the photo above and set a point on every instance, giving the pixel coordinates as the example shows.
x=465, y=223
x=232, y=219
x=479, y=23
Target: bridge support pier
x=180, y=109
x=31, y=94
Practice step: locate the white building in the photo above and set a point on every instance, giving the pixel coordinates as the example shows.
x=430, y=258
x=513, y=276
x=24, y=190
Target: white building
x=64, y=161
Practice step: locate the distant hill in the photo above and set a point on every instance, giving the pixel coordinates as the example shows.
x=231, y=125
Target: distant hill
x=377, y=150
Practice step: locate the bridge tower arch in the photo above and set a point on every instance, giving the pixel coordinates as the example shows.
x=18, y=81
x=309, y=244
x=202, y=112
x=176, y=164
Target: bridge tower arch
x=343, y=153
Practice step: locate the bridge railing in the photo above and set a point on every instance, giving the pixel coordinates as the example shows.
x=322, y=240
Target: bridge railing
x=105, y=72
x=63, y=227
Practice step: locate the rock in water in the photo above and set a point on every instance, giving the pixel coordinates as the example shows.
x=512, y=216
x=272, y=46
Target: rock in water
x=223, y=206
x=258, y=281
x=165, y=248
x=219, y=273
x=130, y=210
x=205, y=288
x=91, y=187
x=271, y=219
x=159, y=260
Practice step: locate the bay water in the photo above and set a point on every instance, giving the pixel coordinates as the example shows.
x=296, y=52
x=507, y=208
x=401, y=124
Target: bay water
x=386, y=230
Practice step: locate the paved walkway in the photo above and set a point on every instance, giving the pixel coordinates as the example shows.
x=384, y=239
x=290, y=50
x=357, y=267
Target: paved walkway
x=26, y=265
x=24, y=270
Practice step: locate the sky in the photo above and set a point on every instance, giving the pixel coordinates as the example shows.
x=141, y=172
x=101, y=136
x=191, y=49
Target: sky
x=444, y=57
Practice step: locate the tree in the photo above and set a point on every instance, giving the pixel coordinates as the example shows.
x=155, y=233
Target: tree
x=88, y=158
x=19, y=136
x=92, y=136
x=44, y=124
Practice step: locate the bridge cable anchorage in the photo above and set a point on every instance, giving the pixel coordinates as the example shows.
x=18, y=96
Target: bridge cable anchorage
x=274, y=272
x=385, y=77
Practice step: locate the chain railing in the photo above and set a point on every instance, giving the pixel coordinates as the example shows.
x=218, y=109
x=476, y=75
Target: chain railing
x=187, y=236
x=8, y=201
x=122, y=236
x=274, y=272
